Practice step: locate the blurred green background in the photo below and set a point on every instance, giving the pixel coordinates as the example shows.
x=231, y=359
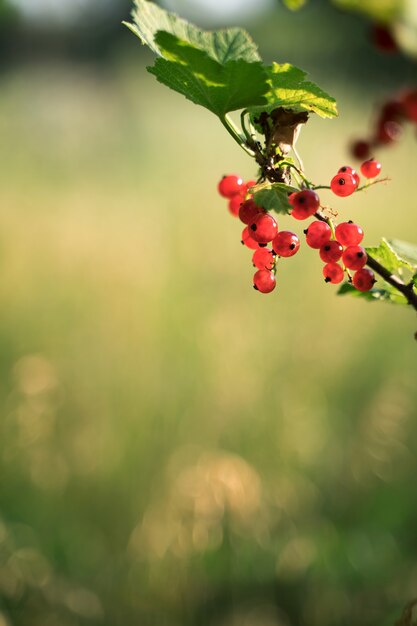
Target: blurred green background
x=175, y=448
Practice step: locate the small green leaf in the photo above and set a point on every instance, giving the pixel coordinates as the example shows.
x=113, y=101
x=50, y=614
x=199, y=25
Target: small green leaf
x=406, y=251
x=387, y=294
x=290, y=90
x=294, y=5
x=218, y=87
x=221, y=45
x=388, y=256
x=275, y=198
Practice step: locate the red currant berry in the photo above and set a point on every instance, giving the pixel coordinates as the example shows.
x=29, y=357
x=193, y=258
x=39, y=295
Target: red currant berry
x=331, y=251
x=286, y=243
x=249, y=184
x=346, y=169
x=343, y=185
x=234, y=204
x=382, y=38
x=410, y=105
x=361, y=149
x=248, y=241
x=388, y=132
x=248, y=211
x=370, y=168
x=317, y=234
x=349, y=234
x=264, y=281
x=363, y=279
x=230, y=185
x=333, y=273
x=264, y=259
x=263, y=228
x=354, y=257
x=305, y=203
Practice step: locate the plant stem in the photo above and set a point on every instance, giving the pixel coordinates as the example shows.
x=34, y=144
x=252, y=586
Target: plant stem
x=406, y=289
x=234, y=132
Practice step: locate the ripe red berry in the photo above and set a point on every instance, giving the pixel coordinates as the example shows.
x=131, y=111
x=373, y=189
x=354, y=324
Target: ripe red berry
x=286, y=243
x=393, y=111
x=354, y=257
x=230, y=185
x=370, y=168
x=305, y=203
x=333, y=273
x=363, y=279
x=248, y=241
x=234, y=204
x=410, y=105
x=263, y=228
x=317, y=234
x=264, y=281
x=249, y=184
x=263, y=259
x=361, y=149
x=346, y=169
x=349, y=234
x=248, y=211
x=343, y=185
x=331, y=251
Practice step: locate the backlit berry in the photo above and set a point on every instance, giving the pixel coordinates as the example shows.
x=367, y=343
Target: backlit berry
x=230, y=185
x=370, y=168
x=333, y=273
x=248, y=241
x=349, y=234
x=343, y=185
x=363, y=279
x=264, y=281
x=263, y=228
x=305, y=203
x=286, y=244
x=331, y=252
x=388, y=132
x=346, y=169
x=263, y=259
x=234, y=204
x=248, y=211
x=354, y=257
x=317, y=234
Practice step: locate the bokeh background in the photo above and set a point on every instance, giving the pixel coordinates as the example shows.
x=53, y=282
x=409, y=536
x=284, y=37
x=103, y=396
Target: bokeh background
x=175, y=448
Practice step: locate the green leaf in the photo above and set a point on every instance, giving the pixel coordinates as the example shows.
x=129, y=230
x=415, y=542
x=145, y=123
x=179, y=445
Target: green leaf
x=406, y=251
x=289, y=89
x=387, y=294
x=220, y=87
x=388, y=256
x=275, y=198
x=294, y=5
x=222, y=45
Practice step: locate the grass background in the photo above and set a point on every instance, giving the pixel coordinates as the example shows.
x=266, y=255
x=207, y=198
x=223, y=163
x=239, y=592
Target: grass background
x=175, y=448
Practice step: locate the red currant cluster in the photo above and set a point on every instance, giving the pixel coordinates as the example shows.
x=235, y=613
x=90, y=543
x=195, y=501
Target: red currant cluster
x=389, y=123
x=335, y=243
